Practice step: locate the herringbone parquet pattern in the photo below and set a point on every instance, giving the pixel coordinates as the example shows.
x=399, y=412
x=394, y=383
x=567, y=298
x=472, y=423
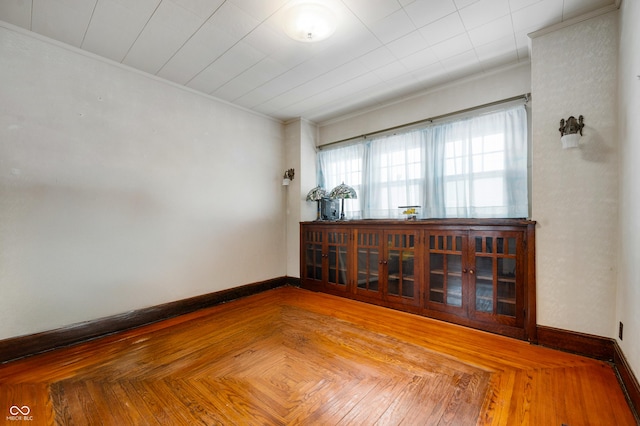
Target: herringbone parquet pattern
x=290, y=356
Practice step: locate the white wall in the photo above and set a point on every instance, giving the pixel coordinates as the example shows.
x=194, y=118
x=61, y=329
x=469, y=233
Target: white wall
x=575, y=191
x=300, y=141
x=470, y=92
x=628, y=299
x=120, y=191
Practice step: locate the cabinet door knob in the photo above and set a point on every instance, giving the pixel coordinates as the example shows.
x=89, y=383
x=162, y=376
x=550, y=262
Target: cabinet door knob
x=471, y=271
x=464, y=270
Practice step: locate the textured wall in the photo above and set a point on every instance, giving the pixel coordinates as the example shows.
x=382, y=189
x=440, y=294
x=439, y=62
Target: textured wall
x=300, y=142
x=629, y=237
x=575, y=192
x=466, y=93
x=119, y=191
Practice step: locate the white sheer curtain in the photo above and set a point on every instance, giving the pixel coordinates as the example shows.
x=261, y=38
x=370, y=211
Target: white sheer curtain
x=479, y=166
x=396, y=174
x=469, y=167
x=345, y=164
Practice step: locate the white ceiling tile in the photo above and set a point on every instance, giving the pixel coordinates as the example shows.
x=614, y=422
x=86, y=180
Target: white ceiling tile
x=209, y=79
x=443, y=29
x=252, y=78
x=259, y=96
x=344, y=94
x=237, y=49
x=291, y=56
x=524, y=53
x=63, y=20
x=197, y=53
x=16, y=12
x=497, y=47
x=496, y=61
x=348, y=49
x=115, y=25
x=200, y=8
x=521, y=4
x=284, y=82
x=407, y=45
x=325, y=82
x=234, y=62
x=420, y=59
x=573, y=8
x=483, y=11
x=423, y=12
x=168, y=29
x=233, y=20
x=371, y=11
x=452, y=47
x=494, y=30
x=522, y=39
x=259, y=9
x=464, y=3
x=430, y=73
x=461, y=61
x=391, y=71
x=537, y=16
x=376, y=58
x=393, y=27
x=463, y=65
x=267, y=40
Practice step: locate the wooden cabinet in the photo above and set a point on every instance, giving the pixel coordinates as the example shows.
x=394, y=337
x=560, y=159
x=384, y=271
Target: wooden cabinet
x=447, y=271
x=325, y=254
x=478, y=273
x=386, y=265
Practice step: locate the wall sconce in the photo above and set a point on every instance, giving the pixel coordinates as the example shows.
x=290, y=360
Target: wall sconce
x=288, y=177
x=569, y=131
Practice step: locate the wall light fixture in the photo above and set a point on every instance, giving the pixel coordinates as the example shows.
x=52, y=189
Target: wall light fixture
x=569, y=130
x=288, y=177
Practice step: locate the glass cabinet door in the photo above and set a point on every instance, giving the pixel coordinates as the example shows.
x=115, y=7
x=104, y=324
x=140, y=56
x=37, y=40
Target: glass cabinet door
x=496, y=270
x=337, y=258
x=445, y=270
x=368, y=262
x=313, y=240
x=400, y=266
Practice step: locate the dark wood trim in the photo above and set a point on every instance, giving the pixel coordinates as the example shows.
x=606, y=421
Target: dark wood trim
x=597, y=347
x=23, y=346
x=530, y=298
x=421, y=222
x=628, y=380
x=578, y=343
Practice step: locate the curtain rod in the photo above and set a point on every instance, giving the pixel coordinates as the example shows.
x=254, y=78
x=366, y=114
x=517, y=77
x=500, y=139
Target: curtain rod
x=525, y=96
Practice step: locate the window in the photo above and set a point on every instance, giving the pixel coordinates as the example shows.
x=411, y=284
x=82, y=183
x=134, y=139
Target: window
x=471, y=167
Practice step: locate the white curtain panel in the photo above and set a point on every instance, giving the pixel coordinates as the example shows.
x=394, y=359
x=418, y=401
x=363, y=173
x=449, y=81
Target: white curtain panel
x=467, y=167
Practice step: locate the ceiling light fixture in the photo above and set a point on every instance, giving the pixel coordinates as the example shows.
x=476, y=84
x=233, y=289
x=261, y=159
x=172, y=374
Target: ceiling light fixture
x=309, y=22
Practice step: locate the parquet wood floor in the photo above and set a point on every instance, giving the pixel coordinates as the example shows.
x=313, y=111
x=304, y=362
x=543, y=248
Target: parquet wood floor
x=290, y=356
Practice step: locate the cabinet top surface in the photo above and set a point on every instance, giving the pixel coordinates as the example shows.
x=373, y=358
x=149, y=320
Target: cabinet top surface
x=419, y=222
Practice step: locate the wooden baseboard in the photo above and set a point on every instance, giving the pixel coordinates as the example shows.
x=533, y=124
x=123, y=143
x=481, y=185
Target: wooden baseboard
x=579, y=343
x=597, y=347
x=23, y=346
x=630, y=384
